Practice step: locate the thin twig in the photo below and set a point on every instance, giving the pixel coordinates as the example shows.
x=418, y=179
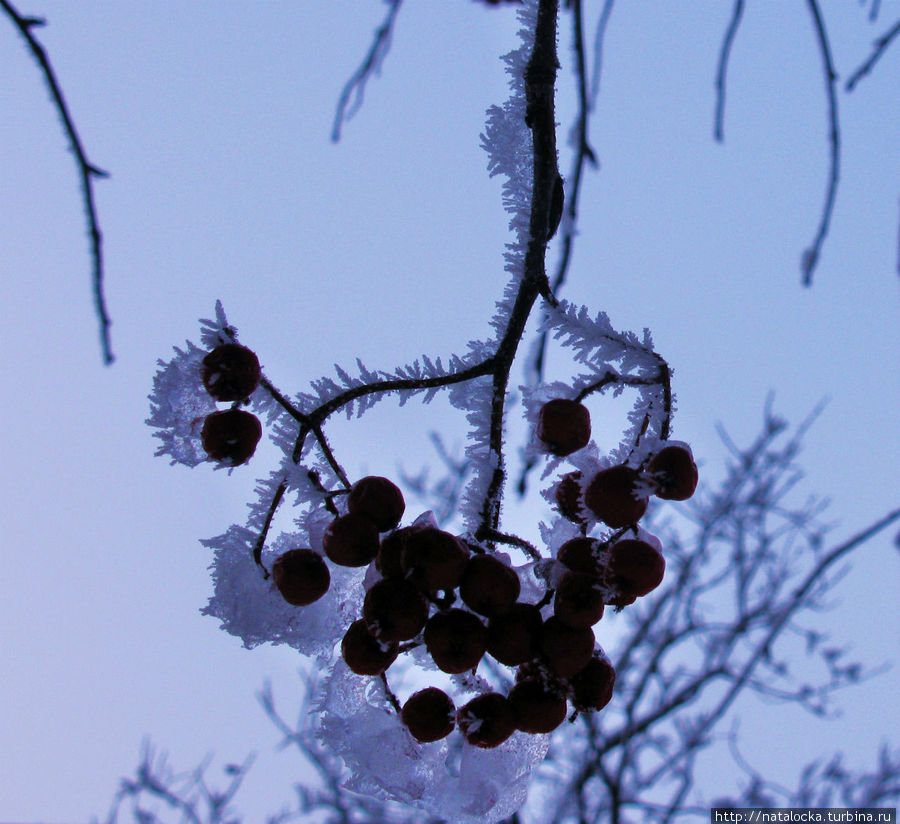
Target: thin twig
x=811, y=255
x=86, y=169
x=881, y=45
x=355, y=87
x=721, y=72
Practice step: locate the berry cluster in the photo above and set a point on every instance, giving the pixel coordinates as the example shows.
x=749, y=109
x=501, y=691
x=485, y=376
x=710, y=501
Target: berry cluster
x=231, y=374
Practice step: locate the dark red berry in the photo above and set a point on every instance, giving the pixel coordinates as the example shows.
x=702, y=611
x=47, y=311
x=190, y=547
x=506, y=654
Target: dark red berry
x=301, y=576
x=537, y=706
x=365, y=654
x=582, y=555
x=455, y=639
x=230, y=372
x=512, y=637
x=389, y=561
x=489, y=586
x=231, y=436
x=568, y=497
x=613, y=498
x=636, y=567
x=578, y=601
x=434, y=559
x=673, y=473
x=487, y=721
x=592, y=687
x=564, y=426
x=566, y=649
x=379, y=499
x=351, y=540
x=429, y=715
x=394, y=610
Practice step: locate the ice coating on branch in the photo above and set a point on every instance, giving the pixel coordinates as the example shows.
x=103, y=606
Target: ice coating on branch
x=449, y=779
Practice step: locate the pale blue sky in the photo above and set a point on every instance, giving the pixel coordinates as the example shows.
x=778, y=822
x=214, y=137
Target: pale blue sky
x=214, y=120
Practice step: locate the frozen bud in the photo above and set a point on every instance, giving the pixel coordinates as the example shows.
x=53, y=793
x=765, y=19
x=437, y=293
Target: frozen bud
x=488, y=586
x=231, y=436
x=592, y=687
x=578, y=601
x=455, y=639
x=394, y=610
x=434, y=559
x=566, y=649
x=564, y=426
x=673, y=473
x=613, y=497
x=351, y=540
x=487, y=721
x=429, y=715
x=538, y=707
x=364, y=653
x=636, y=567
x=378, y=499
x=230, y=372
x=301, y=576
x=512, y=637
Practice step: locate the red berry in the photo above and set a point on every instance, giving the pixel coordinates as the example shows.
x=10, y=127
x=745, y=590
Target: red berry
x=566, y=649
x=582, y=555
x=364, y=653
x=455, y=639
x=592, y=688
x=231, y=436
x=487, y=721
x=434, y=559
x=564, y=426
x=578, y=601
x=379, y=499
x=230, y=372
x=674, y=473
x=488, y=586
x=512, y=637
x=301, y=576
x=538, y=707
x=636, y=567
x=351, y=540
x=568, y=497
x=612, y=496
x=394, y=610
x=429, y=715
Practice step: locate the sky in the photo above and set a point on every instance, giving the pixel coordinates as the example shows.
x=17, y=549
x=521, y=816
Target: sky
x=214, y=121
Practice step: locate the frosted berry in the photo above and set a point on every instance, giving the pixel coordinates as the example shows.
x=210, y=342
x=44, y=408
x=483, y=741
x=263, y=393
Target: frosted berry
x=455, y=639
x=592, y=687
x=564, y=426
x=581, y=555
x=230, y=372
x=429, y=715
x=488, y=586
x=394, y=610
x=512, y=638
x=568, y=497
x=434, y=559
x=578, y=601
x=613, y=497
x=351, y=540
x=537, y=706
x=487, y=721
x=231, y=436
x=379, y=499
x=673, y=473
x=301, y=576
x=389, y=561
x=566, y=649
x=636, y=567
x=365, y=654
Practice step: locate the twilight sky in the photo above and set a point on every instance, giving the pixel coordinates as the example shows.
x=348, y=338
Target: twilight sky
x=214, y=120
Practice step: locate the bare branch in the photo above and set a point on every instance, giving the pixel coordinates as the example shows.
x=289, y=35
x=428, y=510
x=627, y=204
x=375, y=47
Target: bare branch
x=881, y=45
x=724, y=55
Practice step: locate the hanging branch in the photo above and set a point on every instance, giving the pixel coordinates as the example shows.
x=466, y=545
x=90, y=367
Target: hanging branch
x=86, y=169
x=811, y=255
x=881, y=45
x=356, y=86
x=721, y=72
